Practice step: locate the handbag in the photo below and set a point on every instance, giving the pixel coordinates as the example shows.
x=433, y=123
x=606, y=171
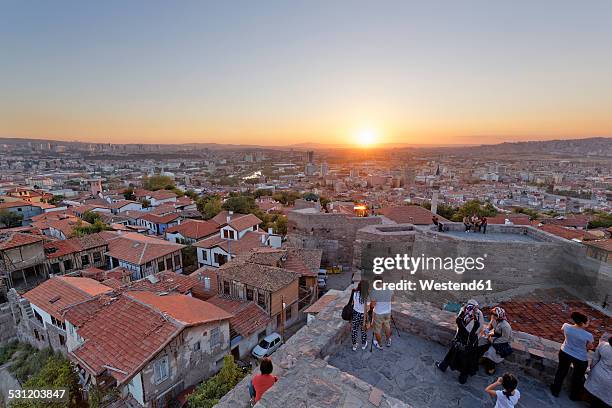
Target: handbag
x=347, y=310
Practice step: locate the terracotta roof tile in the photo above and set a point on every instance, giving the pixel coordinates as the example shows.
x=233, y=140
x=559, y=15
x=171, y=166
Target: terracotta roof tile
x=194, y=229
x=17, y=239
x=247, y=316
x=138, y=249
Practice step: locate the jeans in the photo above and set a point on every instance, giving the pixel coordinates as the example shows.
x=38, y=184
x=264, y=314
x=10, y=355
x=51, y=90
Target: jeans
x=580, y=367
x=251, y=389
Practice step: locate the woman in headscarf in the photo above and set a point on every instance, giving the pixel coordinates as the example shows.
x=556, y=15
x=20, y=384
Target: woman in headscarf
x=462, y=355
x=497, y=340
x=599, y=381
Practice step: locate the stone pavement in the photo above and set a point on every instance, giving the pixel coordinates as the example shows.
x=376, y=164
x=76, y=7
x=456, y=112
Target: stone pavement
x=406, y=371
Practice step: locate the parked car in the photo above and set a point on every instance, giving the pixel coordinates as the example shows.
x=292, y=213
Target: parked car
x=322, y=278
x=267, y=346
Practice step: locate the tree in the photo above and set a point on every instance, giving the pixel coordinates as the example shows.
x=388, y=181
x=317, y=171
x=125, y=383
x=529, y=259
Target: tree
x=209, y=206
x=286, y=197
x=128, y=193
x=324, y=201
x=56, y=199
x=91, y=216
x=208, y=394
x=191, y=194
x=474, y=207
x=240, y=204
x=190, y=258
x=81, y=230
x=261, y=192
x=57, y=372
x=10, y=219
x=602, y=220
x=158, y=182
x=533, y=214
x=280, y=225
x=145, y=203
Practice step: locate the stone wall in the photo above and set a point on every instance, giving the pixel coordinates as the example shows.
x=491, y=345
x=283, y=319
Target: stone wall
x=331, y=232
x=8, y=330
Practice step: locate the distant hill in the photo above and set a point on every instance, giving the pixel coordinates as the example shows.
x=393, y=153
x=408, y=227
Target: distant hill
x=595, y=146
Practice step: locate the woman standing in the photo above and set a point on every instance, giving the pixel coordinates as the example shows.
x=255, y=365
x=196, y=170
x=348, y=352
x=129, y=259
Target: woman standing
x=599, y=382
x=463, y=354
x=573, y=352
x=360, y=297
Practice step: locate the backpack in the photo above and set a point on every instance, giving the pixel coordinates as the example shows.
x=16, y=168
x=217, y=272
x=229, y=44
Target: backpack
x=347, y=310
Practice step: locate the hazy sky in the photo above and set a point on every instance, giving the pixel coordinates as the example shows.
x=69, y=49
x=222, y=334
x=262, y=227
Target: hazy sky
x=282, y=72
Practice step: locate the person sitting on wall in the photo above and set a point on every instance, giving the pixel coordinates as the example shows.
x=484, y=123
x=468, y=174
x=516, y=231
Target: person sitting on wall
x=467, y=224
x=495, y=344
x=437, y=223
x=262, y=382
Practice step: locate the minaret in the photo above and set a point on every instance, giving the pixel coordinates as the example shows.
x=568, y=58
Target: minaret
x=434, y=199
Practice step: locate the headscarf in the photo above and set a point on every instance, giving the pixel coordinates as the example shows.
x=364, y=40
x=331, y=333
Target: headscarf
x=500, y=313
x=468, y=312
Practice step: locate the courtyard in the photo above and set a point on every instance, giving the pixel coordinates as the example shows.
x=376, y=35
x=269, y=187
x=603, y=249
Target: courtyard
x=406, y=371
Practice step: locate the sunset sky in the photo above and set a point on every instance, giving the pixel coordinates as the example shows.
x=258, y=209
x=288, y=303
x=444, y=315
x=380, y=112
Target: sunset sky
x=284, y=72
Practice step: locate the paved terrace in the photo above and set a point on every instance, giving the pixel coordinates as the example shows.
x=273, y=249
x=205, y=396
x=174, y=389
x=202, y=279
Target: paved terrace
x=318, y=369
x=406, y=371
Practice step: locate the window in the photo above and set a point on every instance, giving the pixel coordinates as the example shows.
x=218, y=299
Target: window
x=204, y=255
x=160, y=368
x=177, y=261
x=169, y=264
x=249, y=294
x=207, y=283
x=97, y=257
x=36, y=334
x=38, y=317
x=261, y=300
x=62, y=340
x=228, y=234
x=226, y=288
x=220, y=259
x=67, y=265
x=196, y=346
x=85, y=260
x=215, y=337
x=55, y=268
x=161, y=266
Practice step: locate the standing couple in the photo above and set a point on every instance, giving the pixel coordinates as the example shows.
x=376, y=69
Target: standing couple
x=377, y=315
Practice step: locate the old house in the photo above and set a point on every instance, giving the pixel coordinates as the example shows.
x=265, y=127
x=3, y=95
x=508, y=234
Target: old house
x=190, y=231
x=22, y=260
x=158, y=224
x=39, y=312
x=76, y=253
x=25, y=209
x=141, y=254
x=149, y=346
x=274, y=289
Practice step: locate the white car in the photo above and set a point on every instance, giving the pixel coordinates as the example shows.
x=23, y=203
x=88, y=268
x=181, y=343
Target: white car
x=267, y=346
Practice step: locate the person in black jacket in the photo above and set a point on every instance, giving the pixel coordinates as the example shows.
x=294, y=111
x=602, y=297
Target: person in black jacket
x=463, y=353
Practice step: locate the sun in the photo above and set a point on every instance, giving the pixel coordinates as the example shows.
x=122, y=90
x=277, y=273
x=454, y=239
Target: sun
x=366, y=137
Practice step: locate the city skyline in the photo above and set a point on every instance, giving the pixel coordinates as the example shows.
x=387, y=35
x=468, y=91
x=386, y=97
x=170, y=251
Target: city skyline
x=275, y=74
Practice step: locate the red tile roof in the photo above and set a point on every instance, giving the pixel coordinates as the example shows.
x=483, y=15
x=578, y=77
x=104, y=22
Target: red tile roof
x=248, y=241
x=194, y=229
x=166, y=282
x=247, y=319
x=160, y=219
x=11, y=204
x=265, y=277
x=162, y=194
x=567, y=233
x=409, y=214
x=243, y=222
x=67, y=225
x=56, y=249
x=17, y=239
x=57, y=293
x=121, y=335
x=138, y=249
x=605, y=244
x=184, y=309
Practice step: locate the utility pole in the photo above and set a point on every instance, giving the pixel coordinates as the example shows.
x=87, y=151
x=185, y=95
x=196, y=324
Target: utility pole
x=282, y=328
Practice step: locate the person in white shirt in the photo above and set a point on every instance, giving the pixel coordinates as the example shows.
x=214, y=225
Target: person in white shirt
x=509, y=396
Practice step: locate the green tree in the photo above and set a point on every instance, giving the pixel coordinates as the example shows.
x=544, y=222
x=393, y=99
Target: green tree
x=240, y=204
x=128, y=193
x=145, y=203
x=209, y=206
x=57, y=372
x=56, y=199
x=191, y=194
x=81, y=230
x=91, y=216
x=10, y=219
x=474, y=207
x=533, y=214
x=286, y=197
x=261, y=192
x=324, y=201
x=280, y=225
x=158, y=182
x=602, y=220
x=208, y=394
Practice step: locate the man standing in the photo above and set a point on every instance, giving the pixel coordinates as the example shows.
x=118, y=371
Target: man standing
x=381, y=303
